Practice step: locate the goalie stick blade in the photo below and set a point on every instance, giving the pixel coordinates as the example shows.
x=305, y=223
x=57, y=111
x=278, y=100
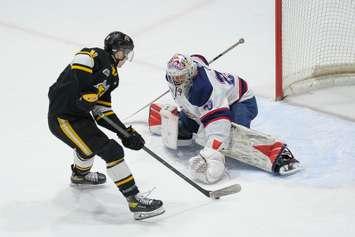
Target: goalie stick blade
x=235, y=188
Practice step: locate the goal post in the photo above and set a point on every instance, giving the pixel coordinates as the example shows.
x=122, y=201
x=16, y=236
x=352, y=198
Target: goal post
x=314, y=45
x=278, y=50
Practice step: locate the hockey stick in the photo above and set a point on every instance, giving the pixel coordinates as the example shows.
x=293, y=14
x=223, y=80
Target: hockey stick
x=240, y=41
x=216, y=194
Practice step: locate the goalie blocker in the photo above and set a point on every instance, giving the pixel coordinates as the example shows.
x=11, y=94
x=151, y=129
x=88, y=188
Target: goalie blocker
x=246, y=145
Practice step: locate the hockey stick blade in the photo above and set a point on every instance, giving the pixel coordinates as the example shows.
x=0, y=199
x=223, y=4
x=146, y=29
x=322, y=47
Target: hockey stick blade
x=235, y=188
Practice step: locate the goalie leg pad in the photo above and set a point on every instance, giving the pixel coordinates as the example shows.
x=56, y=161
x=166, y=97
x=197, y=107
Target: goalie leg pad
x=164, y=120
x=261, y=151
x=156, y=111
x=252, y=147
x=169, y=127
x=154, y=118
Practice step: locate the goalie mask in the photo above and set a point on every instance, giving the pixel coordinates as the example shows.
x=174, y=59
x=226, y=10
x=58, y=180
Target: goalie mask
x=180, y=70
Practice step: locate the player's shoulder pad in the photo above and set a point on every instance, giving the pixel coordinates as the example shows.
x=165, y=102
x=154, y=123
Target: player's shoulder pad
x=101, y=53
x=201, y=88
x=85, y=58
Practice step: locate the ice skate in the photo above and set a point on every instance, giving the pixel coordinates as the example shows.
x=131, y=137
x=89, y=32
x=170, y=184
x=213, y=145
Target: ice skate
x=143, y=207
x=91, y=178
x=286, y=164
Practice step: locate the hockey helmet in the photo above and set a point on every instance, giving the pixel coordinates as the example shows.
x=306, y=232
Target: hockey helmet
x=180, y=70
x=118, y=41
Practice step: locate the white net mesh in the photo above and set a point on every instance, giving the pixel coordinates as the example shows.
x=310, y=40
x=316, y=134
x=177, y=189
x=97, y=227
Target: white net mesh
x=318, y=44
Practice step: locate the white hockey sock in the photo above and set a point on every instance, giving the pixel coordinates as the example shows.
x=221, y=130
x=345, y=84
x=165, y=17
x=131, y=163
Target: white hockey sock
x=82, y=164
x=121, y=175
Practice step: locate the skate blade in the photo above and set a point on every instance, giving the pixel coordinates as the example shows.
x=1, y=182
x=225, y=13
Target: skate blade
x=295, y=169
x=145, y=215
x=87, y=186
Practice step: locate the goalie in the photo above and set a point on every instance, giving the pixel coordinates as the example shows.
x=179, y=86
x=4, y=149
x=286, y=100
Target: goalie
x=215, y=109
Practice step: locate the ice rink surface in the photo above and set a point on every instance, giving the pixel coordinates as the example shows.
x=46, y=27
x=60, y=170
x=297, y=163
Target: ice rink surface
x=38, y=40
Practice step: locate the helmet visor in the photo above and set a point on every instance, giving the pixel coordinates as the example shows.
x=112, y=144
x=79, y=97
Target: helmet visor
x=129, y=54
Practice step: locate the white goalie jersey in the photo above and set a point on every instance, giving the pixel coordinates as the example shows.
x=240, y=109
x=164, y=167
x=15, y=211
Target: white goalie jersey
x=208, y=98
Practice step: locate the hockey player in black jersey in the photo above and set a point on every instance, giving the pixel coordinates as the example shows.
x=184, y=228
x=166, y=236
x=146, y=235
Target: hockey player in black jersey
x=82, y=93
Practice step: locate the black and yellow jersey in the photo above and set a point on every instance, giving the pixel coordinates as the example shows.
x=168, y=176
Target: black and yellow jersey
x=89, y=78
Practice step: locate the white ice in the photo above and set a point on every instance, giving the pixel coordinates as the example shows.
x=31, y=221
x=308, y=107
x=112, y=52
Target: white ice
x=38, y=40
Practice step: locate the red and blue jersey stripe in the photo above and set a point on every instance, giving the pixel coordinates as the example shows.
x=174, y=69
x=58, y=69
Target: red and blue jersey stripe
x=214, y=115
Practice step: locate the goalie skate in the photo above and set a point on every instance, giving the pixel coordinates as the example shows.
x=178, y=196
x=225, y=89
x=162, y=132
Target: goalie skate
x=286, y=164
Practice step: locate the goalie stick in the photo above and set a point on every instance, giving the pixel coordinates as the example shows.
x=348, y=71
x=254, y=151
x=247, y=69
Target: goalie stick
x=215, y=194
x=240, y=41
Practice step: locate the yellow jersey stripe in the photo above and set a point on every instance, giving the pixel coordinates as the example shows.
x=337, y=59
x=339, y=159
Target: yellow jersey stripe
x=101, y=102
x=124, y=181
x=105, y=114
x=73, y=136
x=113, y=163
x=82, y=68
x=83, y=168
x=84, y=52
x=92, y=53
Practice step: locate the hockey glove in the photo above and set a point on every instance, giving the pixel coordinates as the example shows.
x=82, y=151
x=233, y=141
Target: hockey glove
x=134, y=141
x=207, y=167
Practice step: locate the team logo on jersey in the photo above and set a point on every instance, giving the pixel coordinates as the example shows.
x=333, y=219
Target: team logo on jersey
x=93, y=53
x=114, y=71
x=102, y=88
x=106, y=72
x=208, y=105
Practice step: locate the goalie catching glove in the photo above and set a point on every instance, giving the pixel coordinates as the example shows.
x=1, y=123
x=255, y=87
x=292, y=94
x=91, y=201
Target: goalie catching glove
x=133, y=141
x=207, y=167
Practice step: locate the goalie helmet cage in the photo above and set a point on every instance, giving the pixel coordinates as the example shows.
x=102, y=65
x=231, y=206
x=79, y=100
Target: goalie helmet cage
x=314, y=45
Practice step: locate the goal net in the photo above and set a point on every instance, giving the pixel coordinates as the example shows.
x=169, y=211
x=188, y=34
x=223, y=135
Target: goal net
x=315, y=45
